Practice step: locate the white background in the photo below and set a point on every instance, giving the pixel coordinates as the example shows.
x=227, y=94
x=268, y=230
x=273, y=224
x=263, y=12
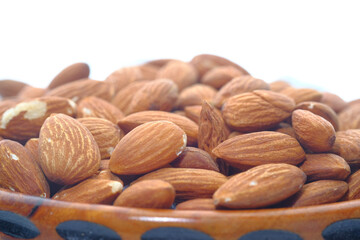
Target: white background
x=309, y=43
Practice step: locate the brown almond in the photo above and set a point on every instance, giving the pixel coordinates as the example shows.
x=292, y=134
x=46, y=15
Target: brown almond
x=279, y=85
x=29, y=92
x=302, y=94
x=325, y=166
x=95, y=191
x=347, y=145
x=260, y=148
x=193, y=112
x=106, y=134
x=147, y=194
x=202, y=204
x=189, y=183
x=195, y=158
x=313, y=132
x=24, y=120
x=107, y=175
x=19, y=172
x=10, y=88
x=148, y=147
x=122, y=77
x=334, y=101
x=219, y=76
x=195, y=95
x=239, y=85
x=131, y=121
x=286, y=128
x=354, y=186
x=183, y=74
x=349, y=118
x=260, y=186
x=99, y=108
x=160, y=94
x=71, y=73
x=257, y=110
x=32, y=145
x=68, y=151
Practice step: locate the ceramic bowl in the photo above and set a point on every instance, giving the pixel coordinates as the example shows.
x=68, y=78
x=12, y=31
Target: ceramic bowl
x=27, y=217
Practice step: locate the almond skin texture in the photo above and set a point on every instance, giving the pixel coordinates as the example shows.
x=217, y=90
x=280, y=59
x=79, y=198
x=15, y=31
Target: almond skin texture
x=239, y=85
x=183, y=74
x=260, y=186
x=195, y=158
x=188, y=183
x=219, y=76
x=279, y=85
x=325, y=166
x=333, y=101
x=160, y=94
x=29, y=92
x=349, y=118
x=201, y=204
x=10, y=88
x=71, y=73
x=123, y=77
x=131, y=121
x=302, y=94
x=33, y=147
x=260, y=148
x=19, y=172
x=106, y=134
x=313, y=132
x=68, y=151
x=257, y=110
x=354, y=186
x=318, y=192
x=96, y=107
x=193, y=112
x=107, y=175
x=148, y=147
x=147, y=194
x=347, y=145
x=95, y=191
x=195, y=95
x=24, y=120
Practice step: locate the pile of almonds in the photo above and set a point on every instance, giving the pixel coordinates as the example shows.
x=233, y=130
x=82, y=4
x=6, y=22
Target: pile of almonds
x=200, y=135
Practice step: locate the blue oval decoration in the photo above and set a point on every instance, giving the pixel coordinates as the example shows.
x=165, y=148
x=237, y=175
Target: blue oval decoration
x=83, y=230
x=174, y=233
x=17, y=226
x=348, y=229
x=270, y=235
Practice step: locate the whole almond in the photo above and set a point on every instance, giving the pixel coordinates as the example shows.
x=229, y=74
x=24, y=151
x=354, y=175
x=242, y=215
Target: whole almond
x=148, y=147
x=131, y=121
x=201, y=204
x=325, y=166
x=318, y=192
x=29, y=92
x=19, y=172
x=32, y=145
x=193, y=112
x=71, y=73
x=260, y=148
x=122, y=77
x=195, y=95
x=189, y=183
x=257, y=110
x=68, y=151
x=24, y=120
x=302, y=94
x=160, y=94
x=147, y=194
x=99, y=108
x=219, y=76
x=95, y=191
x=347, y=145
x=106, y=134
x=239, y=85
x=312, y=131
x=333, y=101
x=195, y=158
x=10, y=88
x=349, y=118
x=354, y=186
x=279, y=85
x=183, y=74
x=260, y=186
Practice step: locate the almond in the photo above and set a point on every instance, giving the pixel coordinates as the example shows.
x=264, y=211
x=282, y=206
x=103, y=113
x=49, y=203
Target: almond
x=302, y=94
x=260, y=148
x=333, y=101
x=96, y=107
x=98, y=191
x=257, y=110
x=104, y=164
x=349, y=118
x=219, y=76
x=131, y=121
x=107, y=175
x=183, y=74
x=29, y=92
x=195, y=95
x=71, y=73
x=193, y=112
x=318, y=192
x=83, y=88
x=347, y=145
x=313, y=132
x=354, y=186
x=106, y=134
x=147, y=194
x=195, y=158
x=287, y=129
x=32, y=145
x=197, y=204
x=160, y=94
x=68, y=151
x=19, y=172
x=325, y=166
x=279, y=85
x=239, y=85
x=24, y=120
x=148, y=72
x=10, y=88
x=148, y=147
x=188, y=183
x=321, y=110
x=123, y=77
x=260, y=186
x=159, y=63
